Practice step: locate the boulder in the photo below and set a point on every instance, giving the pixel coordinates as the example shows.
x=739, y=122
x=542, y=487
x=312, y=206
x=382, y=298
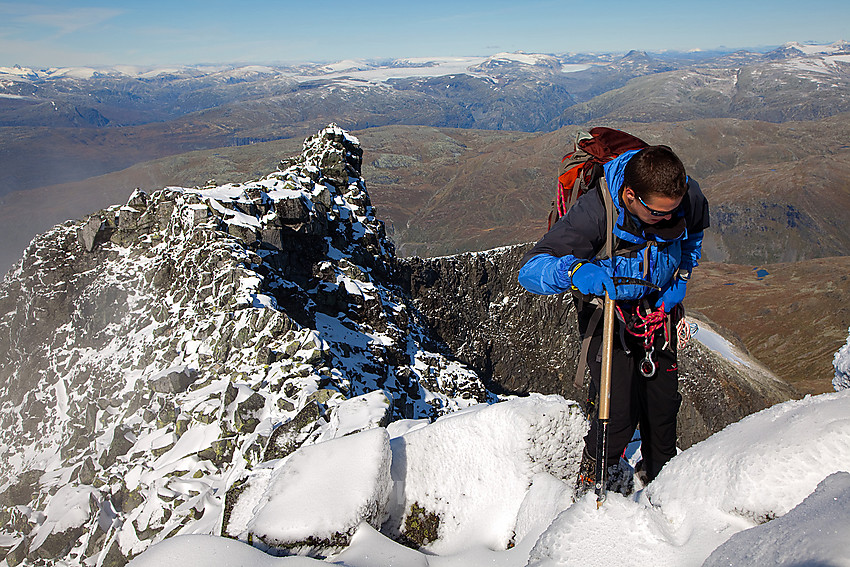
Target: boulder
x=21, y=492
x=437, y=505
x=316, y=499
x=87, y=233
x=292, y=211
x=172, y=380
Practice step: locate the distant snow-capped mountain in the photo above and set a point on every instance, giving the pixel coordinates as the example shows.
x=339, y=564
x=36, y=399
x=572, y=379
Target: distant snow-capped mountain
x=376, y=70
x=393, y=68
x=794, y=49
x=490, y=92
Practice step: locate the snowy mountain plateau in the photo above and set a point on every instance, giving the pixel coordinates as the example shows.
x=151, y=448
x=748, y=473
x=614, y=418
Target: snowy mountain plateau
x=135, y=114
x=252, y=360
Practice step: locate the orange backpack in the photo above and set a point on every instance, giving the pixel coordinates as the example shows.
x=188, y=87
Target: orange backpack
x=581, y=169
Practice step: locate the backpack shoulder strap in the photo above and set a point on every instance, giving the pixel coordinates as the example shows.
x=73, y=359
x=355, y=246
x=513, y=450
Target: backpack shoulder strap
x=611, y=243
x=585, y=345
x=610, y=219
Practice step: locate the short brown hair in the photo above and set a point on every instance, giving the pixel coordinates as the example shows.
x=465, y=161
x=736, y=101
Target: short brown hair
x=656, y=170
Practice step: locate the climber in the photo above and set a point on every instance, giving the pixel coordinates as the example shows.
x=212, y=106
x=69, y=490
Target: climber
x=657, y=239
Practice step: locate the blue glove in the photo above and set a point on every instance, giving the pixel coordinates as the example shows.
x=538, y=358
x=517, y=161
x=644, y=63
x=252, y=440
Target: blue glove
x=672, y=294
x=590, y=279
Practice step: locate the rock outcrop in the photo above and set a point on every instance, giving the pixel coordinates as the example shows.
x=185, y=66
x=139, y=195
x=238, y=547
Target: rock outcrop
x=518, y=342
x=152, y=354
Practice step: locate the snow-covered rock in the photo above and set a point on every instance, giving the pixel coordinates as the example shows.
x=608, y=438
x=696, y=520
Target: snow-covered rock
x=320, y=495
x=211, y=551
x=66, y=518
x=841, y=362
x=815, y=532
x=757, y=481
x=752, y=472
x=660, y=526
x=462, y=480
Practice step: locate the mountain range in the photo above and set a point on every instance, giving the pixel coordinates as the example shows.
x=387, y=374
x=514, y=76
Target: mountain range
x=83, y=122
x=758, y=111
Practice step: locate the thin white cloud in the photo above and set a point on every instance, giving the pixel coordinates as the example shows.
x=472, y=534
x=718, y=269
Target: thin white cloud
x=52, y=20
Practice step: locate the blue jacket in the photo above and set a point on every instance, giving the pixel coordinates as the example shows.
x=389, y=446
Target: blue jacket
x=645, y=252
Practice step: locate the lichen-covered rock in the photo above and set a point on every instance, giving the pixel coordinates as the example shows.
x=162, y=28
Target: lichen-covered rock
x=172, y=380
x=22, y=491
x=17, y=553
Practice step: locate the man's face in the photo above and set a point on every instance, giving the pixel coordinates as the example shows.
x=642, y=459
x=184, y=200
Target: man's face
x=651, y=209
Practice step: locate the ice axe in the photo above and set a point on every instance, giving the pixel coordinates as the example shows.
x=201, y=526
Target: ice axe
x=603, y=415
x=609, y=308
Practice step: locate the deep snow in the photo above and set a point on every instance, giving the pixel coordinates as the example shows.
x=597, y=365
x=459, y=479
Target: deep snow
x=770, y=489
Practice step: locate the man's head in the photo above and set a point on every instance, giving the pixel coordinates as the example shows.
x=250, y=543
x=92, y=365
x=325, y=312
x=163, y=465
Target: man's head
x=654, y=183
x=656, y=170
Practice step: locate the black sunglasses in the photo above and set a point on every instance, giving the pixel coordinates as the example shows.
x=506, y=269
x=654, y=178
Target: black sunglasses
x=654, y=212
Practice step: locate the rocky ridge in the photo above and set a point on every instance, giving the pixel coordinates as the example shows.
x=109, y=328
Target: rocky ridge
x=159, y=358
x=155, y=352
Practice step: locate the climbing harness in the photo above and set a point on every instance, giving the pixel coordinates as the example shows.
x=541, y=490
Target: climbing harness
x=597, y=317
x=644, y=325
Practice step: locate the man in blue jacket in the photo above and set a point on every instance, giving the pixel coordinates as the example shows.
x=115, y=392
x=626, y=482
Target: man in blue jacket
x=657, y=239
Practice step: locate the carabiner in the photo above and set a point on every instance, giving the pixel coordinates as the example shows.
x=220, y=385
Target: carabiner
x=647, y=365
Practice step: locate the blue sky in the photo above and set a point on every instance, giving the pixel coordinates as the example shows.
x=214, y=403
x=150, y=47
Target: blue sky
x=43, y=33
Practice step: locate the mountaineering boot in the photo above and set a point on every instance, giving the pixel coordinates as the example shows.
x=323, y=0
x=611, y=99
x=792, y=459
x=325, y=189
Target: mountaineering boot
x=620, y=477
x=586, y=480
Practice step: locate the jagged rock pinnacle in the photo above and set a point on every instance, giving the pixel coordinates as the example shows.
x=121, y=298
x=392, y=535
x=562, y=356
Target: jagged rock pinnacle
x=154, y=353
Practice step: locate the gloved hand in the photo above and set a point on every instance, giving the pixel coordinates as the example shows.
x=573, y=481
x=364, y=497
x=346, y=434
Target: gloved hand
x=590, y=279
x=672, y=294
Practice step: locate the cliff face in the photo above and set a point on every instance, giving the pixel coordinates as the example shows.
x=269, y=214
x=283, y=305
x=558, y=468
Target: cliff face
x=518, y=342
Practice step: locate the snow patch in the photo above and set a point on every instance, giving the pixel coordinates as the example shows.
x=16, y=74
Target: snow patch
x=711, y=339
x=841, y=363
x=71, y=507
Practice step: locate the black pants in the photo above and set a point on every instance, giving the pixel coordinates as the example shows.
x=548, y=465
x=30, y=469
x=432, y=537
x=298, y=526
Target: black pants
x=636, y=401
